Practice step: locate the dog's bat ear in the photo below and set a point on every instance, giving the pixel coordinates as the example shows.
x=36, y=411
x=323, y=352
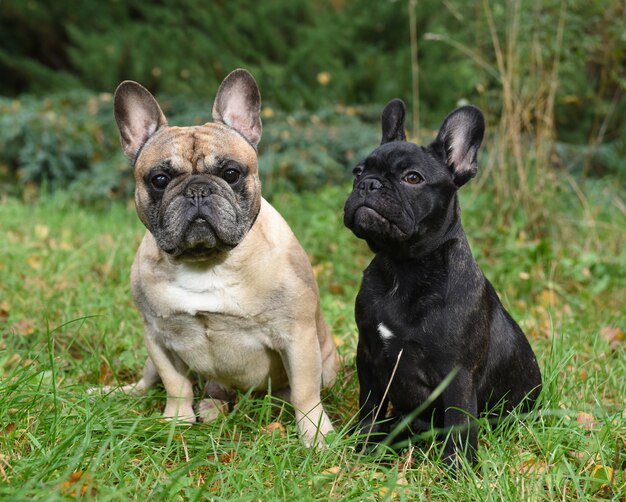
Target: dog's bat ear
x=393, y=121
x=238, y=105
x=458, y=141
x=138, y=116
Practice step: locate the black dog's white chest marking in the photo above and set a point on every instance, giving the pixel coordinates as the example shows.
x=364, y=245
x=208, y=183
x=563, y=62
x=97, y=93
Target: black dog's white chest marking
x=385, y=333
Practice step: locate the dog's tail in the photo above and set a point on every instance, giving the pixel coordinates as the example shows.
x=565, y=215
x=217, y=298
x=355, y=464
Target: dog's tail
x=150, y=379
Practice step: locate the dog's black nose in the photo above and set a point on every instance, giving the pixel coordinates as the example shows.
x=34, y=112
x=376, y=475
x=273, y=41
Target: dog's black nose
x=369, y=185
x=197, y=191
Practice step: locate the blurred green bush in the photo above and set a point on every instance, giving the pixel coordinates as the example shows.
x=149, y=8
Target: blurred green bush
x=555, y=70
x=70, y=142
x=312, y=54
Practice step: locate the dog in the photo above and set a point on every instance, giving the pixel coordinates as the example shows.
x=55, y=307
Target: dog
x=224, y=288
x=426, y=314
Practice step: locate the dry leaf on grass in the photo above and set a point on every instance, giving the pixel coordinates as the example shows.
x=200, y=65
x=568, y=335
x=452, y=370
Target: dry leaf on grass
x=105, y=374
x=275, y=428
x=547, y=298
x=393, y=492
x=602, y=480
x=614, y=336
x=23, y=327
x=336, y=289
x=42, y=232
x=334, y=470
x=587, y=420
x=78, y=484
x=7, y=429
x=35, y=261
x=325, y=476
x=338, y=341
x=223, y=458
x=531, y=465
x=4, y=309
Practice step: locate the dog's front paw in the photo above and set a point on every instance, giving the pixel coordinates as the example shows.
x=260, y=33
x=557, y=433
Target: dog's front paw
x=181, y=412
x=209, y=409
x=312, y=434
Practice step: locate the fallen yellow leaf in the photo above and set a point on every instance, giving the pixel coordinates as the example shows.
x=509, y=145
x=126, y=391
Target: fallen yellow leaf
x=547, y=298
x=587, y=420
x=42, y=232
x=80, y=480
x=602, y=472
x=614, y=335
x=272, y=429
x=324, y=78
x=34, y=261
x=23, y=327
x=532, y=465
x=338, y=341
x=4, y=309
x=335, y=469
x=8, y=428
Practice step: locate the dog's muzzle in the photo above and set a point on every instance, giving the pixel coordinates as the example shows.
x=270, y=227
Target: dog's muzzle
x=367, y=186
x=197, y=196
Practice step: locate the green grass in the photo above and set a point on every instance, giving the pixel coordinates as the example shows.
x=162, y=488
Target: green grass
x=68, y=323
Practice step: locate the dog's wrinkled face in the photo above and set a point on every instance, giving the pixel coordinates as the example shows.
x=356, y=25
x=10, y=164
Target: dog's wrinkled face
x=402, y=192
x=197, y=188
x=398, y=190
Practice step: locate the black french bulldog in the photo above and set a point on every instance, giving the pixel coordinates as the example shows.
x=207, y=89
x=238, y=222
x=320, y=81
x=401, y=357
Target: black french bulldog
x=425, y=311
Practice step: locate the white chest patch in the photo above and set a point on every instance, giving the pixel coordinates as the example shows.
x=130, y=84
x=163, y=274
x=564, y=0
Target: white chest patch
x=384, y=332
x=194, y=292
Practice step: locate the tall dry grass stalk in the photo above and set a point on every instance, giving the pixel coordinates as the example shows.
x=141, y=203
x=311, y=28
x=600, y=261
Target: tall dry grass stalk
x=528, y=75
x=526, y=130
x=412, y=5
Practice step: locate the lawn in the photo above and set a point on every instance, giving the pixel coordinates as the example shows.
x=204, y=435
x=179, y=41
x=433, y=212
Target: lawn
x=68, y=323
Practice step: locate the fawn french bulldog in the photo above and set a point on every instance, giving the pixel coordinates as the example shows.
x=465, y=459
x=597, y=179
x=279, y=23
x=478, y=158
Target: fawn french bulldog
x=224, y=287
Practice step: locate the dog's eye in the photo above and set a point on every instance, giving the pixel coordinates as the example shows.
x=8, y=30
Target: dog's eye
x=357, y=171
x=160, y=181
x=413, y=178
x=231, y=176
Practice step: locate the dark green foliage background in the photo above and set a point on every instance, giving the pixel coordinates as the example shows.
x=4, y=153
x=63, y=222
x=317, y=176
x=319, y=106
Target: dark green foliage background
x=70, y=142
x=69, y=52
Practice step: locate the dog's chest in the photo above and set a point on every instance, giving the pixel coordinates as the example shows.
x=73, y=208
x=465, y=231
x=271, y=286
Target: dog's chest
x=191, y=292
x=401, y=312
x=217, y=326
x=401, y=337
